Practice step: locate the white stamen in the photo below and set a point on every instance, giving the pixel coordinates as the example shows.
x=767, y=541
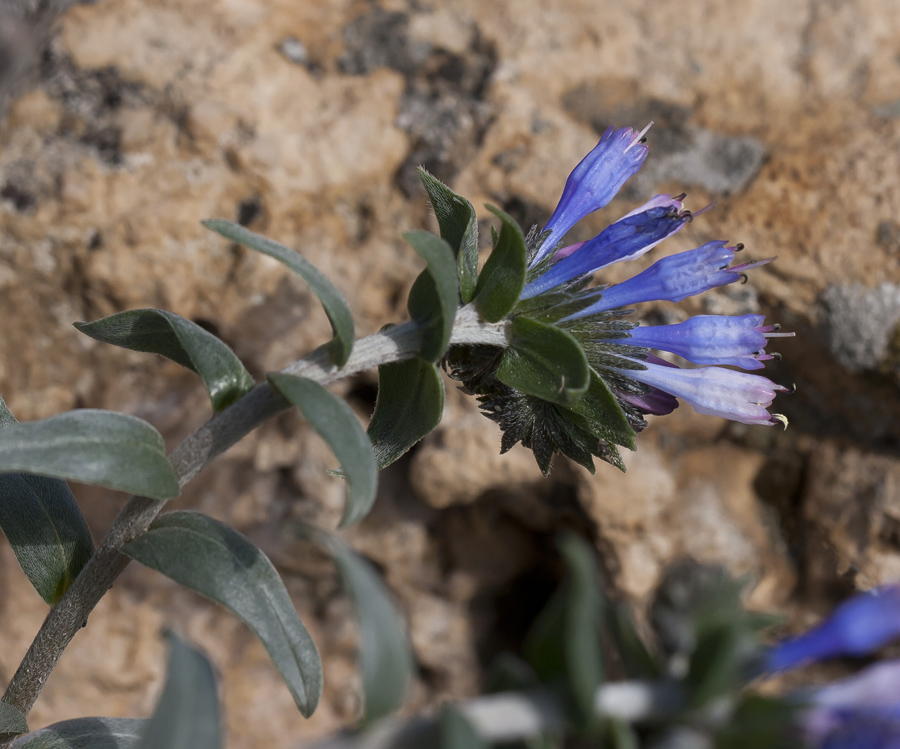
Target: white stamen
x=779, y=335
x=637, y=138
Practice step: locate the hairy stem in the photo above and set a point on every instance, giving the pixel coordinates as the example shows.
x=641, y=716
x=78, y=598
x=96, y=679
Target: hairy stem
x=188, y=459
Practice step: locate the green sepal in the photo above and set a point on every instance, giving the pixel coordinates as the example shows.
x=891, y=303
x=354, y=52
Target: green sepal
x=503, y=276
x=604, y=414
x=410, y=404
x=332, y=300
x=545, y=362
x=217, y=562
x=434, y=297
x=564, y=642
x=336, y=423
x=459, y=226
x=157, y=331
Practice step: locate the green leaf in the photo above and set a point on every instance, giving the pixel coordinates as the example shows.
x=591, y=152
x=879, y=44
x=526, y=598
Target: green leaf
x=187, y=714
x=44, y=527
x=434, y=297
x=216, y=561
x=409, y=405
x=604, y=414
x=103, y=448
x=332, y=300
x=457, y=732
x=565, y=639
x=86, y=733
x=335, y=421
x=503, y=276
x=545, y=362
x=156, y=331
x=459, y=226
x=11, y=720
x=385, y=657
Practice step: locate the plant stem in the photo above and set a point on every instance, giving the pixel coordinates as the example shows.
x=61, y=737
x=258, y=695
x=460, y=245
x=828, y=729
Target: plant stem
x=188, y=459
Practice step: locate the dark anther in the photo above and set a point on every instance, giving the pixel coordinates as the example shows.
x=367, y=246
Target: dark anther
x=776, y=326
x=776, y=356
x=644, y=139
x=792, y=389
x=739, y=246
x=681, y=197
x=744, y=278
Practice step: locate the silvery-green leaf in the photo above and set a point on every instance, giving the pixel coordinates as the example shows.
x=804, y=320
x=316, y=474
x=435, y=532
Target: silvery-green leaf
x=157, y=331
x=434, y=297
x=44, y=527
x=409, y=405
x=457, y=732
x=385, y=657
x=459, y=227
x=332, y=300
x=335, y=421
x=11, y=721
x=103, y=448
x=216, y=561
x=86, y=733
x=503, y=276
x=187, y=714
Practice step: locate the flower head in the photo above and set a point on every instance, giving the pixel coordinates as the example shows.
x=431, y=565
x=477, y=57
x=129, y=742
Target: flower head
x=626, y=380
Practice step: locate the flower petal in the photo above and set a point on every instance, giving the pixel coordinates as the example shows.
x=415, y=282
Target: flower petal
x=709, y=339
x=594, y=182
x=626, y=239
x=714, y=391
x=858, y=626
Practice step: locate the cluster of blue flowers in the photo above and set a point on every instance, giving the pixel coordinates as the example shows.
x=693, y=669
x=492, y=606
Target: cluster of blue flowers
x=713, y=341
x=863, y=711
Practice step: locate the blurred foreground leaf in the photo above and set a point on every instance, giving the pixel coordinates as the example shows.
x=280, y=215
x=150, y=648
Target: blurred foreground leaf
x=187, y=714
x=86, y=733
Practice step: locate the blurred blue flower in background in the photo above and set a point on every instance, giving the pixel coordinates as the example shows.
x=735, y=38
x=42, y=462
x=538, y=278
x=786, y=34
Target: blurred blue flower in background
x=863, y=711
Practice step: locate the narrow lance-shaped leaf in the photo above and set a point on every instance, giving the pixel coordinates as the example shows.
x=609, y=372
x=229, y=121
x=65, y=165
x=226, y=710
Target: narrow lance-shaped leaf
x=11, y=721
x=409, y=405
x=565, y=639
x=216, y=561
x=332, y=300
x=335, y=421
x=385, y=657
x=457, y=732
x=44, y=527
x=503, y=276
x=545, y=362
x=187, y=714
x=156, y=331
x=459, y=226
x=434, y=297
x=86, y=733
x=103, y=448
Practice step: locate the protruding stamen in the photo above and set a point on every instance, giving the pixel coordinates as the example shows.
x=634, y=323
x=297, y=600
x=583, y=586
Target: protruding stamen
x=779, y=335
x=680, y=198
x=744, y=278
x=639, y=138
x=775, y=355
x=780, y=419
x=752, y=264
x=705, y=209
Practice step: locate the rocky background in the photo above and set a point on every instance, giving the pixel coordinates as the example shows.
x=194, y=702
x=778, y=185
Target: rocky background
x=305, y=120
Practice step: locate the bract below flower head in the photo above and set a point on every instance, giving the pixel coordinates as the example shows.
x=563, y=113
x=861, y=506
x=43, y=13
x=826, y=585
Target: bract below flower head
x=595, y=181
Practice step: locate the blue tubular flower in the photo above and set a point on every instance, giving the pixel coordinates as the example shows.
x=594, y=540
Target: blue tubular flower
x=717, y=392
x=626, y=239
x=711, y=339
x=595, y=181
x=862, y=712
x=864, y=623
